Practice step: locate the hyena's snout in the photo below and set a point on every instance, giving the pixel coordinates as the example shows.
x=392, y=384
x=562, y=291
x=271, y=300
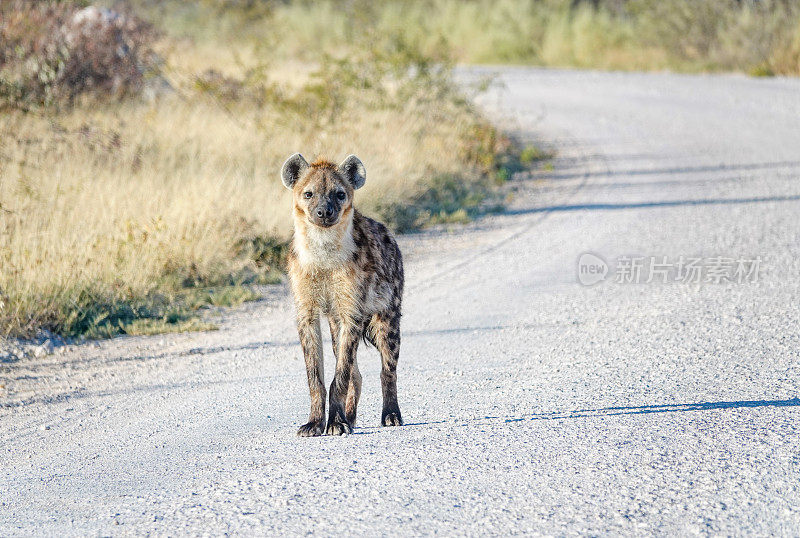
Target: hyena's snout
x=326, y=213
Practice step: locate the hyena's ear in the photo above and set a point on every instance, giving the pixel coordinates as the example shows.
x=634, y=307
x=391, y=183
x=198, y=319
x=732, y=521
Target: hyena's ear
x=292, y=170
x=353, y=171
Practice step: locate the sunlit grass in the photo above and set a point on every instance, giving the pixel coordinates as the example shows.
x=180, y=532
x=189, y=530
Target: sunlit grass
x=111, y=211
x=762, y=36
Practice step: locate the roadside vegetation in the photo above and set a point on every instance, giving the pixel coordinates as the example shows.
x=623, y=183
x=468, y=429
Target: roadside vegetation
x=141, y=182
x=139, y=147
x=759, y=37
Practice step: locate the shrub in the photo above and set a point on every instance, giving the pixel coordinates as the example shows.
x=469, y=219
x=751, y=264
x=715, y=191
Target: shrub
x=52, y=52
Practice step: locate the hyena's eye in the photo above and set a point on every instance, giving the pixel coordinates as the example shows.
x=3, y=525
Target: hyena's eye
x=307, y=195
x=341, y=195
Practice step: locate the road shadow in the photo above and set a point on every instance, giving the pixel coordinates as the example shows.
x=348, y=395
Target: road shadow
x=669, y=171
x=682, y=182
x=658, y=408
x=600, y=412
x=405, y=425
x=82, y=394
x=56, y=362
x=663, y=203
x=486, y=328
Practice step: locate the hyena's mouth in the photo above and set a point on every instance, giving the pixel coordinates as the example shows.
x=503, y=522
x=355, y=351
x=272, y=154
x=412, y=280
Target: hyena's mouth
x=324, y=222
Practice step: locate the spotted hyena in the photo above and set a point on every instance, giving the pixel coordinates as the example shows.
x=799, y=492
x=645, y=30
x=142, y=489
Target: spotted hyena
x=348, y=267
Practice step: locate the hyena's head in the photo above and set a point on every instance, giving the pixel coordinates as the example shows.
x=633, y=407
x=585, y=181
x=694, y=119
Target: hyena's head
x=322, y=191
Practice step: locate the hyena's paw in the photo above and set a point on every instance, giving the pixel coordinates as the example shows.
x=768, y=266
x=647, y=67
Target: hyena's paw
x=337, y=427
x=391, y=418
x=312, y=429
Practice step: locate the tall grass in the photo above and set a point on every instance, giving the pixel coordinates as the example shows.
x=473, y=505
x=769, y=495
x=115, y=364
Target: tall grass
x=760, y=36
x=112, y=210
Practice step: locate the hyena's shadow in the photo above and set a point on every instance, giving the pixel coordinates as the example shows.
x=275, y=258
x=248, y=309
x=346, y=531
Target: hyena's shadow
x=376, y=429
x=606, y=411
x=655, y=408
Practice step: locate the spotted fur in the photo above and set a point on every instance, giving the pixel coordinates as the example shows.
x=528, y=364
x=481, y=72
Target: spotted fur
x=348, y=267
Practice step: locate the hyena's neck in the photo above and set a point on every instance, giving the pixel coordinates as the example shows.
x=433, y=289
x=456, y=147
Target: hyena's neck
x=324, y=248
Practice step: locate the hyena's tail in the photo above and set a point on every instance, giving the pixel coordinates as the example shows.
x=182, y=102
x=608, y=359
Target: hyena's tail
x=368, y=333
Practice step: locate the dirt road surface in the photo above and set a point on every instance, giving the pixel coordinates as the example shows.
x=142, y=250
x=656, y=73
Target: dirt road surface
x=533, y=403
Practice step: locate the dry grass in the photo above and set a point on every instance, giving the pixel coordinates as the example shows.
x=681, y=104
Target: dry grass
x=110, y=212
x=759, y=36
x=117, y=211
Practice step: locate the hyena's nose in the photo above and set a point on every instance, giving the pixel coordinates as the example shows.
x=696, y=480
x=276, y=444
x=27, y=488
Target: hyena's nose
x=328, y=211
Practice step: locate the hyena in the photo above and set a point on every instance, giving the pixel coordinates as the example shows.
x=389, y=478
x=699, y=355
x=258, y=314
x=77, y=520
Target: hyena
x=349, y=268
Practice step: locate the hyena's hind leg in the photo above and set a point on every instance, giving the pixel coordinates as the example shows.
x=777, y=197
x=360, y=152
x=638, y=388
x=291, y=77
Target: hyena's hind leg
x=354, y=387
x=353, y=394
x=384, y=334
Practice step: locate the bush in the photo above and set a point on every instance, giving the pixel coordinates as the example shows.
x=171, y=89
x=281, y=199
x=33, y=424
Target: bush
x=51, y=52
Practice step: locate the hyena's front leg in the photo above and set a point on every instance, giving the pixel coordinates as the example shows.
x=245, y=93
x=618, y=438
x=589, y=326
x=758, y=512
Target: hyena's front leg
x=311, y=341
x=386, y=334
x=354, y=387
x=338, y=422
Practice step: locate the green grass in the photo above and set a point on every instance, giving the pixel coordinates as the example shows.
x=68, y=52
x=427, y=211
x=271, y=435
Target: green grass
x=458, y=198
x=180, y=316
x=153, y=313
x=531, y=154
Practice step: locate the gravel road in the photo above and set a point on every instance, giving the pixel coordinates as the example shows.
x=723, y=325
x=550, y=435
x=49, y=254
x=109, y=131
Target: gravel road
x=534, y=404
